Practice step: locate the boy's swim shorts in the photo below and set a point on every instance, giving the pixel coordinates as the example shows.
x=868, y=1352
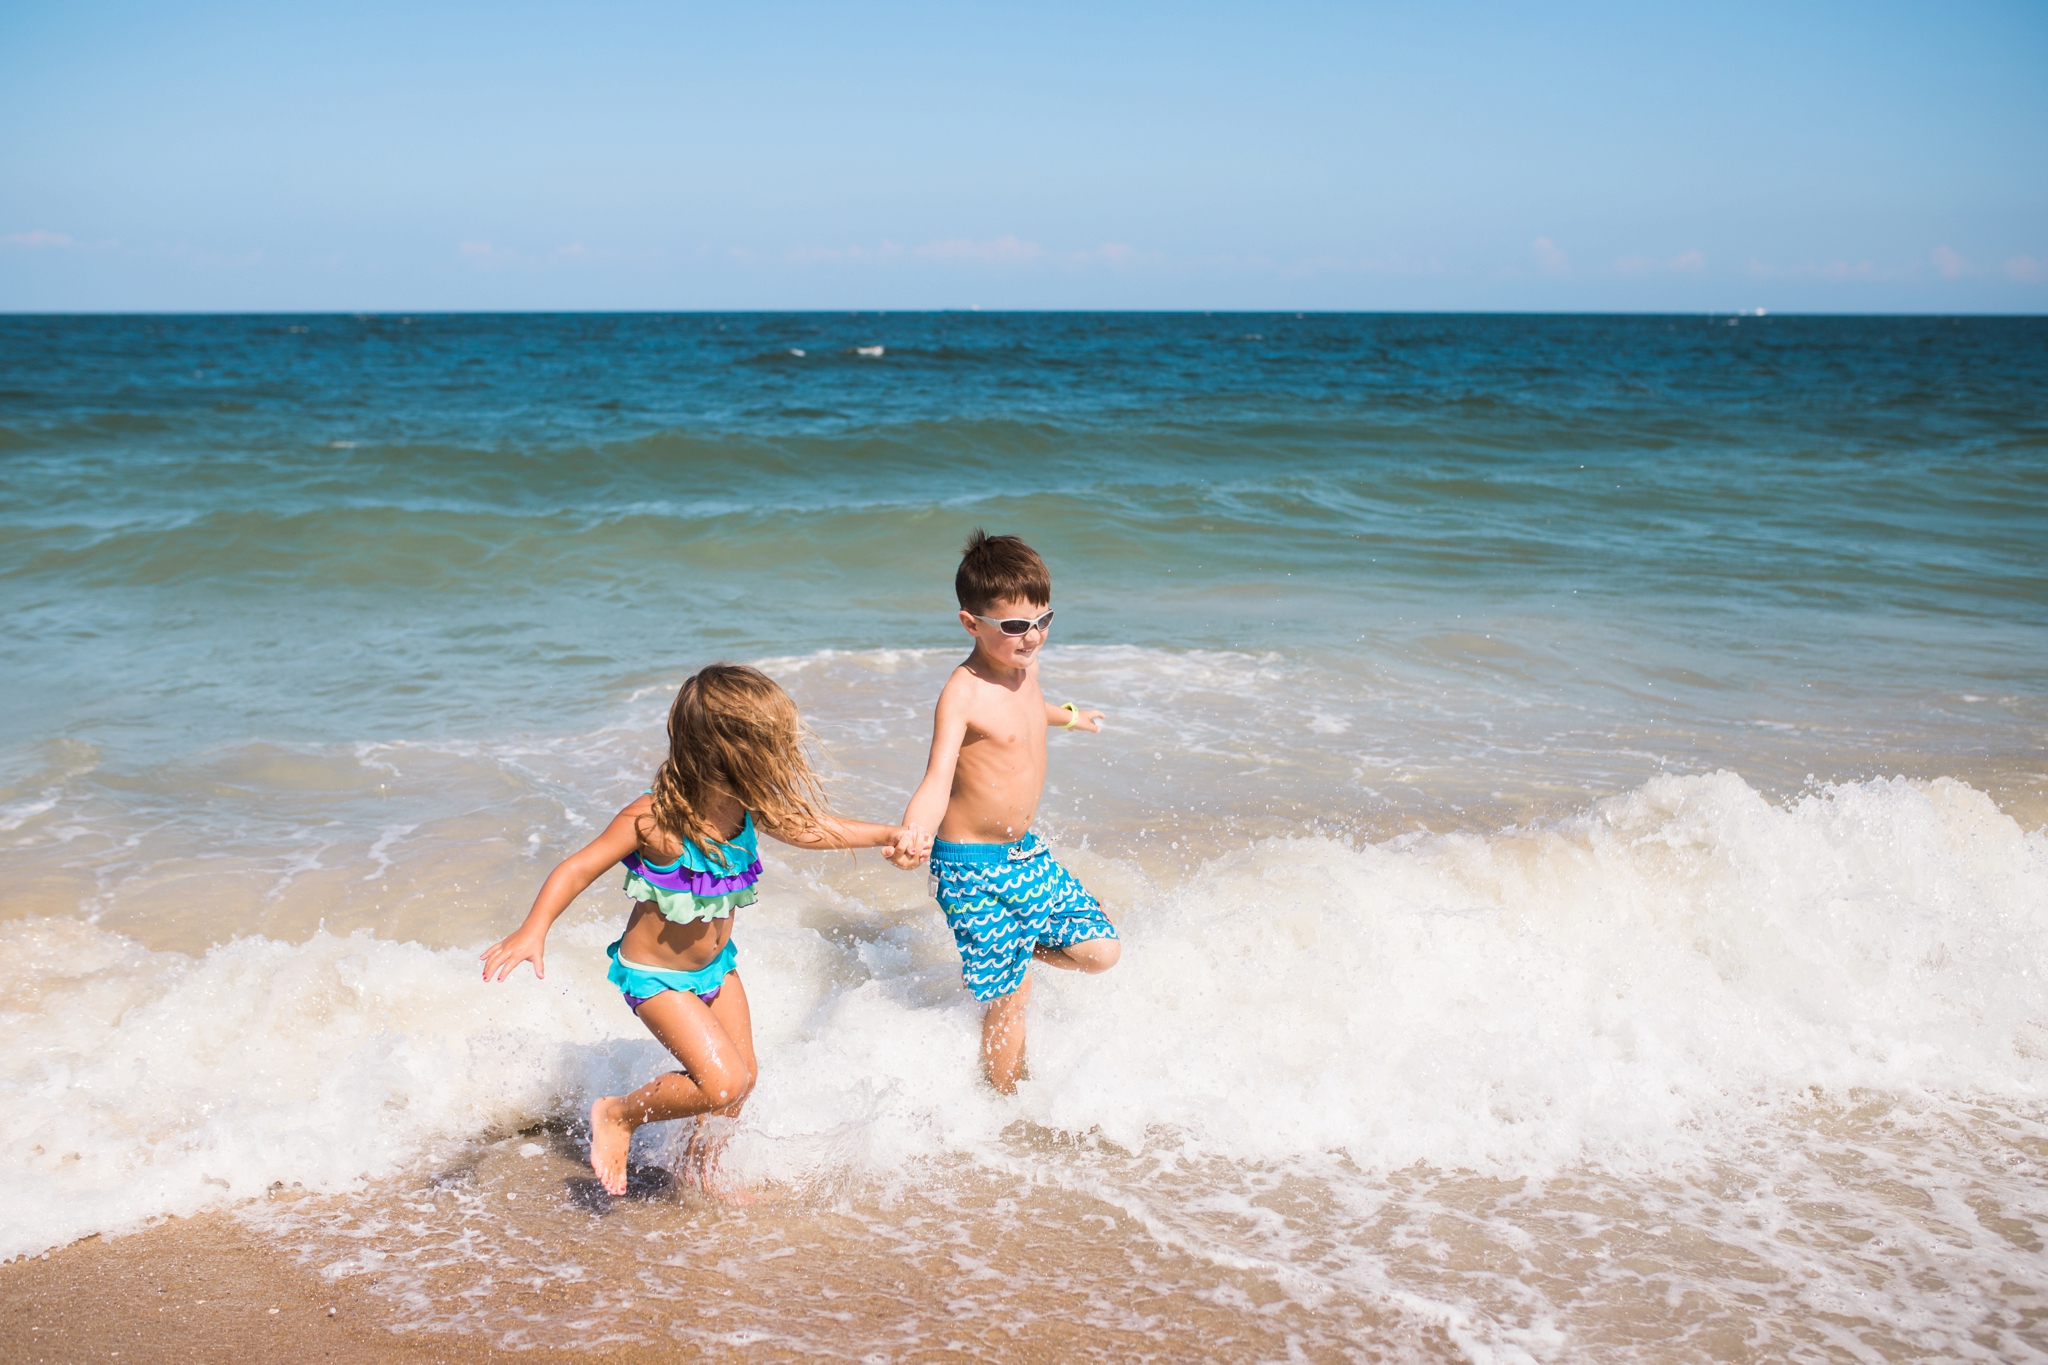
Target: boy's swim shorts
x=1002, y=901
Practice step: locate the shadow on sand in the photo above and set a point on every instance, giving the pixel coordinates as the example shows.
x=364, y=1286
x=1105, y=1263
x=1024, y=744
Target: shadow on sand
x=643, y=1183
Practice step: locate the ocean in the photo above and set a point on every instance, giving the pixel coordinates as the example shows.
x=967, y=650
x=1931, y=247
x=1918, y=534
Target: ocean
x=1573, y=797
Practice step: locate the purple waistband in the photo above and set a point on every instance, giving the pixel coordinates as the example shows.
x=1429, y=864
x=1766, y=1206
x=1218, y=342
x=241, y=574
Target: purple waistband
x=691, y=880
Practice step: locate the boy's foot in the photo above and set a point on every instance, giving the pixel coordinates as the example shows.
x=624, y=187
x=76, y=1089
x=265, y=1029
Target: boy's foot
x=611, y=1138
x=1006, y=1083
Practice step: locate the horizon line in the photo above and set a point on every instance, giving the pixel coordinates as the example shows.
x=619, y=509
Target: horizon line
x=8, y=313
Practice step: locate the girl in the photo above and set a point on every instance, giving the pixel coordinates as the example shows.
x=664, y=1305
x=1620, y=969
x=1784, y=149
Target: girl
x=735, y=764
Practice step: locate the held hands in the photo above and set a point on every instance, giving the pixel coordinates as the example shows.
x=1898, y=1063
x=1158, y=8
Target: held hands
x=907, y=846
x=517, y=947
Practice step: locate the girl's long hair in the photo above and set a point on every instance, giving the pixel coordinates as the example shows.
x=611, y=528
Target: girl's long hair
x=731, y=727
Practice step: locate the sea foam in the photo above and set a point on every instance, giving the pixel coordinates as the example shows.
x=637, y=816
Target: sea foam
x=1653, y=980
x=142, y=1084
x=1624, y=987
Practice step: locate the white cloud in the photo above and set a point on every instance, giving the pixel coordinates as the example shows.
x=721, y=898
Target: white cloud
x=1397, y=264
x=485, y=256
x=37, y=240
x=1005, y=250
x=1549, y=259
x=2026, y=269
x=1949, y=263
x=887, y=251
x=1836, y=271
x=1112, y=253
x=1685, y=263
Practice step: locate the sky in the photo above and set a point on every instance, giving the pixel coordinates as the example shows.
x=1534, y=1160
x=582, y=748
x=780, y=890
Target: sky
x=1566, y=157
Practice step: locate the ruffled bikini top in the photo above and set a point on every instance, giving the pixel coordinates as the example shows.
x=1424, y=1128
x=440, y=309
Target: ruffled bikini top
x=695, y=886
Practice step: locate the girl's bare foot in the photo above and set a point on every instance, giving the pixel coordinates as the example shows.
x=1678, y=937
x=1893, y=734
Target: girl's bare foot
x=702, y=1167
x=611, y=1137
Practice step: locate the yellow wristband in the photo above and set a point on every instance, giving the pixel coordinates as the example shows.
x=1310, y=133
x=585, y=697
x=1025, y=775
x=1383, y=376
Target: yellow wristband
x=1073, y=714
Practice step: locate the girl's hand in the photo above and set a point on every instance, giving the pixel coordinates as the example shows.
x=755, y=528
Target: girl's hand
x=570, y=879
x=522, y=945
x=907, y=846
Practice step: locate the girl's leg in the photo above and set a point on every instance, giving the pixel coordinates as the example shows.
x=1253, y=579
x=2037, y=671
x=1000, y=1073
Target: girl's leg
x=731, y=1011
x=720, y=1073
x=708, y=1136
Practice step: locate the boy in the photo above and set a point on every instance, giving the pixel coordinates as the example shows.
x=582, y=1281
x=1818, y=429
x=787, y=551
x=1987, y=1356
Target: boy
x=1006, y=899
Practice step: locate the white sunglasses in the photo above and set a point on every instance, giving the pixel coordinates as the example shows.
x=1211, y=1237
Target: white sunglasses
x=1019, y=625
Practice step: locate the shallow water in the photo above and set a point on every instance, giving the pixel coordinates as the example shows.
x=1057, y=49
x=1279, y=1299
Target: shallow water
x=1573, y=799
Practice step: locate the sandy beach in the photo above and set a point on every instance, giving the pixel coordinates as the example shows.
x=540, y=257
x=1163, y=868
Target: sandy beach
x=210, y=1288
x=203, y=1290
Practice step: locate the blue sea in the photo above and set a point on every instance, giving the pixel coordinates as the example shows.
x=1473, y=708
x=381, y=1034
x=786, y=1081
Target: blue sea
x=1572, y=795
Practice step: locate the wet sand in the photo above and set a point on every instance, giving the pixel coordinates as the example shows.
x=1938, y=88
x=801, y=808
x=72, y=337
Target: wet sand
x=216, y=1288
x=205, y=1289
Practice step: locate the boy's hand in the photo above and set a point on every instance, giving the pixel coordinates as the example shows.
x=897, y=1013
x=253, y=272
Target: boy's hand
x=1090, y=721
x=520, y=946
x=907, y=847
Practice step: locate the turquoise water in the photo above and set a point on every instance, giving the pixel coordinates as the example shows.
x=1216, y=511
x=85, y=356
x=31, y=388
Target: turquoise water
x=1590, y=548
x=330, y=626
x=343, y=528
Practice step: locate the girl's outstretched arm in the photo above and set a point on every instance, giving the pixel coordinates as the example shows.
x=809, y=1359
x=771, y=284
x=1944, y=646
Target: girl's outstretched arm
x=903, y=845
x=571, y=877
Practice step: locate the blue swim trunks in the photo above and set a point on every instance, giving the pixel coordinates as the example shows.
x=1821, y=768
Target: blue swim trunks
x=1002, y=901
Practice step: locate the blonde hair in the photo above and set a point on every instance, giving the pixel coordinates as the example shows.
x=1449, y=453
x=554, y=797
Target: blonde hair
x=732, y=728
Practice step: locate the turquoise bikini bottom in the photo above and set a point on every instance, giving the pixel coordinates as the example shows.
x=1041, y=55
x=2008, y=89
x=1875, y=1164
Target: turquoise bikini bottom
x=640, y=984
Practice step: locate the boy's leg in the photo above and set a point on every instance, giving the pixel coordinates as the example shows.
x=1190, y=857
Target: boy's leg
x=1094, y=955
x=1065, y=928
x=1078, y=936
x=995, y=944
x=720, y=1073
x=1002, y=1036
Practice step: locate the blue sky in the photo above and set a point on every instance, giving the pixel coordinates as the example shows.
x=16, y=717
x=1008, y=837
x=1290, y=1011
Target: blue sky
x=367, y=156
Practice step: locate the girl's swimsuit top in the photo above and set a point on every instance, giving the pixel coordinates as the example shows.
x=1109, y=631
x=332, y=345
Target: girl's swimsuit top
x=696, y=886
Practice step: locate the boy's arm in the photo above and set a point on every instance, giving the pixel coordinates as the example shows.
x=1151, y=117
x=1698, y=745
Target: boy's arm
x=928, y=803
x=570, y=879
x=1056, y=718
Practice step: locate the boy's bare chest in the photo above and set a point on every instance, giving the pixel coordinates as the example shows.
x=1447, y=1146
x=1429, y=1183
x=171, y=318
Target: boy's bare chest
x=1006, y=728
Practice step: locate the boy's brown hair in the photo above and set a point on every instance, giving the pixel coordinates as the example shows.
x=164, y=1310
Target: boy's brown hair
x=995, y=567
